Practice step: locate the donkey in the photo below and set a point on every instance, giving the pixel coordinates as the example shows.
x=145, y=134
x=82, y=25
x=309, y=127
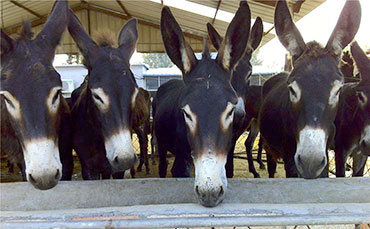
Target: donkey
x=297, y=115
x=248, y=96
x=193, y=117
x=353, y=119
x=35, y=122
x=141, y=126
x=103, y=105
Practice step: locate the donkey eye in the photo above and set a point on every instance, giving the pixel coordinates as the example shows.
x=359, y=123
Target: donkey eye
x=56, y=96
x=231, y=112
x=8, y=101
x=187, y=115
x=292, y=92
x=361, y=97
x=97, y=97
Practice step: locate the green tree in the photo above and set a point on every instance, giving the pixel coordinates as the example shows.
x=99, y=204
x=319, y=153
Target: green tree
x=72, y=58
x=255, y=61
x=157, y=60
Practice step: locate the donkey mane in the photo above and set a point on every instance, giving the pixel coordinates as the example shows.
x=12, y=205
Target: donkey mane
x=314, y=50
x=25, y=32
x=105, y=38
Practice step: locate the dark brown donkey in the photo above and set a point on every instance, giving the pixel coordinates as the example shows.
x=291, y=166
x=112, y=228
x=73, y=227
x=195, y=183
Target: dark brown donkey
x=141, y=126
x=353, y=119
x=298, y=109
x=35, y=122
x=249, y=97
x=193, y=117
x=102, y=112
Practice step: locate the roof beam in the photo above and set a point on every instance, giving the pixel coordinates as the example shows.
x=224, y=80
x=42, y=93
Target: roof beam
x=41, y=20
x=296, y=4
x=123, y=8
x=218, y=7
x=92, y=7
x=25, y=8
x=140, y=21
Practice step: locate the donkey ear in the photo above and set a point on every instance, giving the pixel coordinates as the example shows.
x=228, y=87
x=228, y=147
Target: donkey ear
x=346, y=28
x=233, y=46
x=7, y=43
x=179, y=51
x=127, y=38
x=255, y=36
x=85, y=44
x=54, y=27
x=362, y=62
x=287, y=32
x=214, y=36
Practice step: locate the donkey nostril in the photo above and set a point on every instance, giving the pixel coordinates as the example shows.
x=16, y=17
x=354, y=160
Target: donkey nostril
x=221, y=192
x=299, y=160
x=323, y=162
x=363, y=144
x=31, y=178
x=57, y=174
x=116, y=159
x=197, y=190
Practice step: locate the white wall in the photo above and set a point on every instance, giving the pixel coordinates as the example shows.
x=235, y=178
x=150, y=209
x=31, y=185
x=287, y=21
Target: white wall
x=77, y=73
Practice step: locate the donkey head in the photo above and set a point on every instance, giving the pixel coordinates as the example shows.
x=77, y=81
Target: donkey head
x=111, y=89
x=209, y=101
x=31, y=92
x=243, y=70
x=314, y=84
x=363, y=96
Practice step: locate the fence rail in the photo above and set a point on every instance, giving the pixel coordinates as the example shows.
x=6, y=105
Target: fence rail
x=172, y=203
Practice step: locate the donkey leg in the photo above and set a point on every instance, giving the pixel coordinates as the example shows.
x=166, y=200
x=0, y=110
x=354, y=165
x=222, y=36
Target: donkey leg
x=230, y=162
x=162, y=161
x=118, y=175
x=154, y=146
x=143, y=149
x=22, y=168
x=359, y=162
x=249, y=147
x=259, y=155
x=271, y=166
x=340, y=163
x=181, y=167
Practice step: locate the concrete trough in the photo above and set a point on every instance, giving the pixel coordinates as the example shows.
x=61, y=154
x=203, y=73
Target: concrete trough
x=154, y=203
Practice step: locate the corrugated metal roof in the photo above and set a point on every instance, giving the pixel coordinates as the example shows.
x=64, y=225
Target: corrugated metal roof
x=103, y=15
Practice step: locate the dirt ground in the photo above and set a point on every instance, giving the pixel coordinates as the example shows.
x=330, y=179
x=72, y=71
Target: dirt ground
x=240, y=165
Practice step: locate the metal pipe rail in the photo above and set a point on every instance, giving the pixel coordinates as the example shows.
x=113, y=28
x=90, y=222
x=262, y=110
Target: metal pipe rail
x=155, y=203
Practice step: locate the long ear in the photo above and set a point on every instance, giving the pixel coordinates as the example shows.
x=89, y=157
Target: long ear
x=346, y=28
x=54, y=27
x=177, y=48
x=288, y=34
x=86, y=45
x=235, y=42
x=255, y=38
x=214, y=36
x=127, y=38
x=7, y=43
x=362, y=62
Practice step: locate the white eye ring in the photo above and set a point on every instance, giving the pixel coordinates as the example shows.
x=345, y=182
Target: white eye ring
x=335, y=92
x=294, y=92
x=100, y=98
x=362, y=98
x=53, y=99
x=190, y=118
x=12, y=105
x=227, y=116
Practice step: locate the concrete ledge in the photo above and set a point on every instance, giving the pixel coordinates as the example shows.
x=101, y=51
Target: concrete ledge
x=191, y=215
x=113, y=193
x=172, y=203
